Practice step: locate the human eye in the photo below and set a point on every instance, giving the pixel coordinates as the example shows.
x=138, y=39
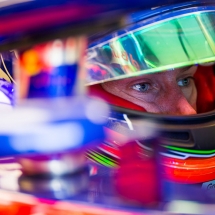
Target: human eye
x=141, y=87
x=184, y=82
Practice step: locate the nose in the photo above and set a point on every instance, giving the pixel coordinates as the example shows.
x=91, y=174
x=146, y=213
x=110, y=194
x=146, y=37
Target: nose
x=183, y=107
x=177, y=105
x=175, y=102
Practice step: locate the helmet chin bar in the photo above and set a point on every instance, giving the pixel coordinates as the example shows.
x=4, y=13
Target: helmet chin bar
x=195, y=132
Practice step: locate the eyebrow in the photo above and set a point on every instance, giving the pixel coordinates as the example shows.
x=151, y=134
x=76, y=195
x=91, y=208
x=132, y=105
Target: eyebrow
x=184, y=69
x=179, y=70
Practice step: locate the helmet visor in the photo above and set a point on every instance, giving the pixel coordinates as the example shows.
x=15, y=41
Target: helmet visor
x=171, y=43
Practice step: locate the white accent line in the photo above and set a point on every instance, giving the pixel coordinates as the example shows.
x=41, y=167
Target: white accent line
x=107, y=152
x=143, y=146
x=186, y=155
x=174, y=156
x=128, y=122
x=6, y=3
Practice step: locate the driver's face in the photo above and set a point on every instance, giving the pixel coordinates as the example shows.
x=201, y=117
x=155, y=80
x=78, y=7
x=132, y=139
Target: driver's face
x=170, y=92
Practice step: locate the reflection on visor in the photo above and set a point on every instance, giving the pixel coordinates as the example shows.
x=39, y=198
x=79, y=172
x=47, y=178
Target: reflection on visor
x=182, y=41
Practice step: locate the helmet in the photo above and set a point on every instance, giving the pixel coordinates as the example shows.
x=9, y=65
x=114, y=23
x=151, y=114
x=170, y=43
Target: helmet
x=158, y=75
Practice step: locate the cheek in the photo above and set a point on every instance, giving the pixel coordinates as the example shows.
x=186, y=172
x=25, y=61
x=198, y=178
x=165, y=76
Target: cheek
x=190, y=94
x=194, y=99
